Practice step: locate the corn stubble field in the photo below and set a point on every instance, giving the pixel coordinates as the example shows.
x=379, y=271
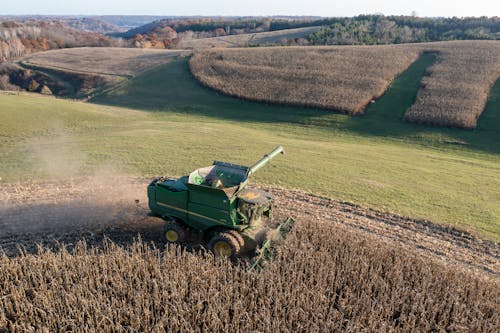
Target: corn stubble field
x=88, y=71
x=348, y=78
x=242, y=40
x=334, y=272
x=102, y=60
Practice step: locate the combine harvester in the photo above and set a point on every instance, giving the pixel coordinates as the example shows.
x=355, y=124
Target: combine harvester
x=216, y=204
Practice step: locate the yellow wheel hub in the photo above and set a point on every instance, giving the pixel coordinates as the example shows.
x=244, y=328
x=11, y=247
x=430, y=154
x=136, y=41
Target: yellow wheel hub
x=172, y=236
x=222, y=249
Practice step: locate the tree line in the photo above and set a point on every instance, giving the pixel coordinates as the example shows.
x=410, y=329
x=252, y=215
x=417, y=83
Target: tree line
x=379, y=29
x=18, y=39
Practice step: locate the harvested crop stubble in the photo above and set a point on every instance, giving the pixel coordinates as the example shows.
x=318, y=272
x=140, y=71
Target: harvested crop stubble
x=344, y=78
x=319, y=281
x=242, y=40
x=102, y=60
x=456, y=89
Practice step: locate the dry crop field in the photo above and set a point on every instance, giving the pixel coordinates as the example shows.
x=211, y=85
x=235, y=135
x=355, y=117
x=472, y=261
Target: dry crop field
x=455, y=91
x=102, y=60
x=261, y=38
x=343, y=268
x=339, y=78
x=348, y=78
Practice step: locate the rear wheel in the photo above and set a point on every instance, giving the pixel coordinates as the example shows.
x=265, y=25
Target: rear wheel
x=174, y=232
x=225, y=244
x=237, y=236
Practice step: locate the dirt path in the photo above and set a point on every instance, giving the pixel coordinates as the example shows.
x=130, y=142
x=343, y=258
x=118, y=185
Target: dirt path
x=69, y=211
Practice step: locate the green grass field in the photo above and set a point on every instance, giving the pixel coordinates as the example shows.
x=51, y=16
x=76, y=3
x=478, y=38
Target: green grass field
x=449, y=176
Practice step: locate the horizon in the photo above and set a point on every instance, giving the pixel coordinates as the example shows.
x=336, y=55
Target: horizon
x=242, y=16
x=258, y=8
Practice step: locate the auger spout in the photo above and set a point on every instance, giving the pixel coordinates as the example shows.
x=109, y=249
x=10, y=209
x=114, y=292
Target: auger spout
x=265, y=160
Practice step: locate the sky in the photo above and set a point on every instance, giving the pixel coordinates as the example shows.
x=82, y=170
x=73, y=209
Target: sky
x=446, y=8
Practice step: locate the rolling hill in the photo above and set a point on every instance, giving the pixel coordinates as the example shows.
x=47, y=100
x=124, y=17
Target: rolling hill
x=453, y=92
x=376, y=161
x=20, y=38
x=76, y=173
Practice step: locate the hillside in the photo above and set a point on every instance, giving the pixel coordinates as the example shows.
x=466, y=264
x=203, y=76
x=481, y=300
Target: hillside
x=76, y=173
x=411, y=268
x=104, y=60
x=18, y=39
x=128, y=22
x=280, y=37
x=453, y=92
x=104, y=24
x=205, y=32
x=358, y=30
x=92, y=24
x=400, y=175
x=380, y=29
x=162, y=35
x=80, y=72
x=345, y=79
x=203, y=27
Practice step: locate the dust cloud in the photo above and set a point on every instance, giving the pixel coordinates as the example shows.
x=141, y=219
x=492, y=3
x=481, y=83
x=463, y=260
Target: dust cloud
x=71, y=204
x=67, y=211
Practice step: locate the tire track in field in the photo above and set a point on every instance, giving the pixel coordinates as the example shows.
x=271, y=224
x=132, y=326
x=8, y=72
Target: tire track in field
x=446, y=244
x=49, y=213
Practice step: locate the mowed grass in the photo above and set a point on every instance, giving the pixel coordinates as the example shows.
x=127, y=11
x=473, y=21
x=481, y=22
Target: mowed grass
x=447, y=176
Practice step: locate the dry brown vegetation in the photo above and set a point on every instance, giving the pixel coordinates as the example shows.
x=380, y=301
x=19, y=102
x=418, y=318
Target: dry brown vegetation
x=343, y=268
x=318, y=281
x=84, y=72
x=455, y=91
x=262, y=38
x=20, y=38
x=55, y=82
x=347, y=78
x=106, y=61
x=343, y=78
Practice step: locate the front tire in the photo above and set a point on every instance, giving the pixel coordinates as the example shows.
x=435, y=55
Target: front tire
x=174, y=233
x=224, y=244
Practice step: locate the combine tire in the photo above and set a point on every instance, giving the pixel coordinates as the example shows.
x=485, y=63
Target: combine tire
x=174, y=233
x=224, y=244
x=236, y=235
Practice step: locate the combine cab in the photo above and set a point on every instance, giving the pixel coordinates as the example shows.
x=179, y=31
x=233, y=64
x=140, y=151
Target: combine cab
x=217, y=205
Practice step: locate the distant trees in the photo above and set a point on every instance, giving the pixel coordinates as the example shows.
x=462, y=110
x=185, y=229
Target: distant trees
x=362, y=29
x=379, y=29
x=18, y=39
x=5, y=83
x=162, y=37
x=170, y=31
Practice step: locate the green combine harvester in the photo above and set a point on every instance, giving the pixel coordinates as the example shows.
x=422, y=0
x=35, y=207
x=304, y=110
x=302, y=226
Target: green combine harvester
x=216, y=204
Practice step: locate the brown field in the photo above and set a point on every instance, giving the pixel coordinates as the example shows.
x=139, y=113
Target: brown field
x=102, y=60
x=347, y=78
x=343, y=268
x=456, y=89
x=261, y=38
x=344, y=78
